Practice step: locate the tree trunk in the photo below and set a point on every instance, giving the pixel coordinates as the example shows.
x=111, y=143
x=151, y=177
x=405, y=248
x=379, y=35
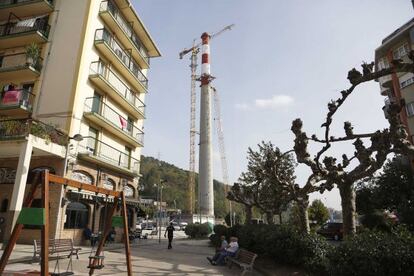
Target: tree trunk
x=348, y=208
x=303, y=215
x=248, y=209
x=269, y=218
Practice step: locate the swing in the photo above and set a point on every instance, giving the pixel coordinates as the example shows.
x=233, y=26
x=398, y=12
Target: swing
x=97, y=262
x=57, y=265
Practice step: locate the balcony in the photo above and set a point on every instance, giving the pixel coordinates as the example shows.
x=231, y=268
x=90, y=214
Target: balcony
x=113, y=18
x=107, y=118
x=100, y=153
x=105, y=79
x=16, y=68
x=24, y=32
x=24, y=8
x=120, y=59
x=19, y=129
x=18, y=102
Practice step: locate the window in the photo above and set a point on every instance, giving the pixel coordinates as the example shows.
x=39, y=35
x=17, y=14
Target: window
x=82, y=177
x=128, y=191
x=401, y=51
x=96, y=103
x=76, y=216
x=4, y=205
x=383, y=63
x=109, y=184
x=407, y=82
x=92, y=140
x=410, y=109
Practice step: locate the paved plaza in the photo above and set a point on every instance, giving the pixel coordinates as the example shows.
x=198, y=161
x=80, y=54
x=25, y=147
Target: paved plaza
x=188, y=257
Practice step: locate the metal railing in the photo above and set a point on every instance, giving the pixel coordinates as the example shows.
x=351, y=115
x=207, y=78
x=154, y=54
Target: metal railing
x=109, y=154
x=19, y=128
x=109, y=6
x=25, y=26
x=122, y=54
x=100, y=68
x=19, y=60
x=17, y=97
x=14, y=2
x=95, y=105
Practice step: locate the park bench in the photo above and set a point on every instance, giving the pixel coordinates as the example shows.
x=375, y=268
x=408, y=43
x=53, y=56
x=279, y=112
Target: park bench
x=56, y=246
x=244, y=259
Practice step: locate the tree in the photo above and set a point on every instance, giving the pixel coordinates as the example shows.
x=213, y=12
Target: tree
x=243, y=194
x=391, y=190
x=318, y=212
x=269, y=172
x=366, y=160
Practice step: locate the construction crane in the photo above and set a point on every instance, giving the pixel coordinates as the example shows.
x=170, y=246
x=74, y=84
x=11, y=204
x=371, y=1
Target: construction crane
x=195, y=49
x=222, y=148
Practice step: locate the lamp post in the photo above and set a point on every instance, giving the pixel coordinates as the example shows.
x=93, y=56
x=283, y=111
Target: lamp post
x=76, y=137
x=159, y=199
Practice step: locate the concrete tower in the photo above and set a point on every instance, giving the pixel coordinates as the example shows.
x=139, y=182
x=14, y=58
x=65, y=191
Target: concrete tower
x=205, y=183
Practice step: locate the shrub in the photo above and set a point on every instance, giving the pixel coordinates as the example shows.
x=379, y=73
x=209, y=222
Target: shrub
x=374, y=253
x=287, y=246
x=376, y=220
x=197, y=230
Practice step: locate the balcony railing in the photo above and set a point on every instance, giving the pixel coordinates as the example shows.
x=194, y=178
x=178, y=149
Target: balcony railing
x=25, y=26
x=123, y=55
x=19, y=61
x=17, y=97
x=110, y=7
x=19, y=128
x=14, y=2
x=95, y=105
x=98, y=67
x=110, y=154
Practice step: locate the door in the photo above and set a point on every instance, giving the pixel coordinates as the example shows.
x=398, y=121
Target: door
x=96, y=103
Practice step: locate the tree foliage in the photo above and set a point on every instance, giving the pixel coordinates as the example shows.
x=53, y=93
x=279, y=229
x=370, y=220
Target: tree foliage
x=264, y=184
x=318, y=212
x=391, y=190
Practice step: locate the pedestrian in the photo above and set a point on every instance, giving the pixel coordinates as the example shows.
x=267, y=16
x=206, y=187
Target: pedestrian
x=223, y=244
x=170, y=230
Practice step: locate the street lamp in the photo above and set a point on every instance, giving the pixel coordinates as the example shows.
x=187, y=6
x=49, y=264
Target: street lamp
x=77, y=138
x=159, y=199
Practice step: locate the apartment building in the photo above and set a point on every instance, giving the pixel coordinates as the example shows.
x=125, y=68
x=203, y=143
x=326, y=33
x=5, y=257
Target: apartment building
x=73, y=76
x=398, y=86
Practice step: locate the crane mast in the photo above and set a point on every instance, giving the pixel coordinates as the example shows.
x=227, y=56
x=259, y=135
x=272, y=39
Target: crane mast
x=222, y=148
x=193, y=99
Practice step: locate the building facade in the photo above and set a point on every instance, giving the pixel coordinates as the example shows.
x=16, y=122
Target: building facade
x=398, y=86
x=76, y=69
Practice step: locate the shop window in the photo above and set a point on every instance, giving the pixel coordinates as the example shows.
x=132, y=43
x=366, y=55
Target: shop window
x=77, y=215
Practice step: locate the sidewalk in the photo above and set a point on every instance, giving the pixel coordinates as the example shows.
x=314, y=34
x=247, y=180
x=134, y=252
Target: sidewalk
x=188, y=257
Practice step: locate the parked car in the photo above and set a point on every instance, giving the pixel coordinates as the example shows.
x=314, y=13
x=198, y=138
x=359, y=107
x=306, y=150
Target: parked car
x=332, y=230
x=147, y=226
x=183, y=225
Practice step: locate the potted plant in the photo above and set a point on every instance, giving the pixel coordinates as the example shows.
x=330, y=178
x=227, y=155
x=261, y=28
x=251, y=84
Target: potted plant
x=32, y=54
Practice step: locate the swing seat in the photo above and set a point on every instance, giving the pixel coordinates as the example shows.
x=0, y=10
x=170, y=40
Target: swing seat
x=62, y=274
x=99, y=264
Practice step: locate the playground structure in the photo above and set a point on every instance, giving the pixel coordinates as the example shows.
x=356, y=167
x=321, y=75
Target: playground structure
x=40, y=216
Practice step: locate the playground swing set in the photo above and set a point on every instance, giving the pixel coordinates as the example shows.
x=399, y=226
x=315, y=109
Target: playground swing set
x=40, y=216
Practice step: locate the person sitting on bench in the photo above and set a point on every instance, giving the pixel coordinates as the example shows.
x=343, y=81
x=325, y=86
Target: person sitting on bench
x=230, y=250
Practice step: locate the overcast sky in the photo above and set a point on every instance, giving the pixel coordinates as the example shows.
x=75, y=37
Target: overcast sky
x=282, y=60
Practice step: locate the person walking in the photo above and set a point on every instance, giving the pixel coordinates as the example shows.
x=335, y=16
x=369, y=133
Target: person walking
x=170, y=230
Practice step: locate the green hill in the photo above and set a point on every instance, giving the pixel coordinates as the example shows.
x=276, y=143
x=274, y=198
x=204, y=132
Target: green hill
x=175, y=190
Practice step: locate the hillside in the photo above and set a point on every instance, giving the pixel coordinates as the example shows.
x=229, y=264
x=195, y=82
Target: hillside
x=153, y=170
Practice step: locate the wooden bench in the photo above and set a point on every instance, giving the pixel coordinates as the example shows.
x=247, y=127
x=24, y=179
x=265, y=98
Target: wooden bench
x=56, y=246
x=244, y=259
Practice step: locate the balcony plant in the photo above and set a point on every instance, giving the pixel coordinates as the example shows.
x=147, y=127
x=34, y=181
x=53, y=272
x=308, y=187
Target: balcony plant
x=32, y=54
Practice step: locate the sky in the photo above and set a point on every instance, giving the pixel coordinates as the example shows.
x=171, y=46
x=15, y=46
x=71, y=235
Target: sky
x=283, y=60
